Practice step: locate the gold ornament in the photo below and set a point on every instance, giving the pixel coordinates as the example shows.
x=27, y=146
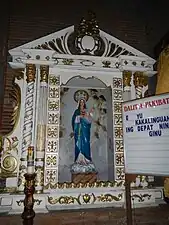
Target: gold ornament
x=44, y=73
x=30, y=73
x=84, y=198
x=127, y=78
x=97, y=184
x=138, y=79
x=109, y=197
x=9, y=163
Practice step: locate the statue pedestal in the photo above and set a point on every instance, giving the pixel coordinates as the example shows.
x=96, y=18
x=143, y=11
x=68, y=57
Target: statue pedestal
x=84, y=178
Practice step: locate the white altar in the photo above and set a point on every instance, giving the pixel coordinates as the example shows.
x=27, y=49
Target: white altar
x=82, y=57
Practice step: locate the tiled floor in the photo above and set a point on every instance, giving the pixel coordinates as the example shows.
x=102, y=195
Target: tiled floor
x=145, y=216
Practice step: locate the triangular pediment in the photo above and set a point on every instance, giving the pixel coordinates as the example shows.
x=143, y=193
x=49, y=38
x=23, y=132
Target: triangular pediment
x=66, y=42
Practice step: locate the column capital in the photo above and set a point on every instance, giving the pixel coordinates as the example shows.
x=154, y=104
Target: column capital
x=44, y=73
x=127, y=78
x=138, y=79
x=30, y=72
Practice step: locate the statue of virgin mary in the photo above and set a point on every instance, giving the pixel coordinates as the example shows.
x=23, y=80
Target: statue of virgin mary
x=81, y=126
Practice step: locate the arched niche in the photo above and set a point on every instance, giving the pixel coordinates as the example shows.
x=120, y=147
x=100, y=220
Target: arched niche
x=99, y=98
x=80, y=81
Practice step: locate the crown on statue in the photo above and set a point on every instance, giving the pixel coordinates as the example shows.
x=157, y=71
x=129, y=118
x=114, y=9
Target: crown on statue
x=81, y=94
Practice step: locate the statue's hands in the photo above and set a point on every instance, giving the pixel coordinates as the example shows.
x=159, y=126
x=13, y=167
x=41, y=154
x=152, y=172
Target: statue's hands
x=71, y=134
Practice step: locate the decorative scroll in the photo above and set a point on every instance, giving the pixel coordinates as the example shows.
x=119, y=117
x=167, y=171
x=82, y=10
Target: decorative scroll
x=117, y=90
x=9, y=158
x=85, y=199
x=52, y=133
x=41, y=128
x=28, y=123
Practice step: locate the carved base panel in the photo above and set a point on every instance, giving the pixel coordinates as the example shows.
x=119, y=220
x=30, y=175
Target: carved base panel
x=81, y=198
x=84, y=178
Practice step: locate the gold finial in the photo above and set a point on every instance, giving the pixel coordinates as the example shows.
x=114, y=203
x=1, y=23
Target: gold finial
x=44, y=73
x=127, y=78
x=30, y=72
x=88, y=26
x=138, y=79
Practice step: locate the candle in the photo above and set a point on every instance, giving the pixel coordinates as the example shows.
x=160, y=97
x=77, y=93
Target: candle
x=30, y=160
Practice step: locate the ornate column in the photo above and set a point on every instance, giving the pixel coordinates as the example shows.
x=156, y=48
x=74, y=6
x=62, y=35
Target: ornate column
x=138, y=83
x=41, y=128
x=28, y=136
x=52, y=134
x=117, y=98
x=127, y=85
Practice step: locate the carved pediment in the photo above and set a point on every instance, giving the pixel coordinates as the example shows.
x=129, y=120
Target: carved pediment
x=83, y=39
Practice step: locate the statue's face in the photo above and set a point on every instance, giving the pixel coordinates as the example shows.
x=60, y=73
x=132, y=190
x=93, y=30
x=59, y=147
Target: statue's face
x=82, y=103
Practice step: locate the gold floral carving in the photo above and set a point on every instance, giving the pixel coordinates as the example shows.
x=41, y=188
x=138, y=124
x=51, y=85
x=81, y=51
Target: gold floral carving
x=66, y=200
x=53, y=80
x=84, y=198
x=44, y=72
x=9, y=161
x=117, y=119
x=109, y=197
x=97, y=184
x=117, y=107
x=118, y=132
x=141, y=197
x=119, y=145
x=54, y=92
x=51, y=160
x=50, y=178
x=138, y=79
x=127, y=78
x=119, y=159
x=52, y=131
x=117, y=94
x=67, y=61
x=117, y=82
x=53, y=105
x=30, y=73
x=120, y=173
x=53, y=118
x=52, y=146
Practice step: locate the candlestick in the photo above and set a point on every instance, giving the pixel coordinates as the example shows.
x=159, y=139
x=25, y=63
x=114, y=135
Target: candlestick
x=30, y=160
x=28, y=213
